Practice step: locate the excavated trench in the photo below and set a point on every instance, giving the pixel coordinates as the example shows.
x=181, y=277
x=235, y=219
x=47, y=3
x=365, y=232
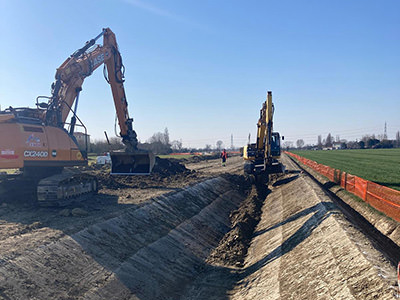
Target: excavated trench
x=222, y=238
x=150, y=252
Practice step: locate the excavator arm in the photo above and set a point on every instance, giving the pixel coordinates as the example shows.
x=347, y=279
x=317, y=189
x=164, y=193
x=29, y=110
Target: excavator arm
x=68, y=84
x=269, y=113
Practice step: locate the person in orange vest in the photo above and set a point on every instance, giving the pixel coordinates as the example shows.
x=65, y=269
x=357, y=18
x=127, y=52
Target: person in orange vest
x=224, y=157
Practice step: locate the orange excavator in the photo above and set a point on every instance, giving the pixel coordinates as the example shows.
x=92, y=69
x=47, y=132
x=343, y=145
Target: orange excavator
x=40, y=142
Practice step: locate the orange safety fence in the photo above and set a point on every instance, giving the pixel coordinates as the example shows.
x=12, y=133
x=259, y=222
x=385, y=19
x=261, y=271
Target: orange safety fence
x=380, y=197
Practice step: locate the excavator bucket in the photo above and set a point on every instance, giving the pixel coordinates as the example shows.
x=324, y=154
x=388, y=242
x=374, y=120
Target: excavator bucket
x=132, y=163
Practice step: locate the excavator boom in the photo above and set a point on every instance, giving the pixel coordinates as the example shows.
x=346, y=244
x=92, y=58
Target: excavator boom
x=69, y=79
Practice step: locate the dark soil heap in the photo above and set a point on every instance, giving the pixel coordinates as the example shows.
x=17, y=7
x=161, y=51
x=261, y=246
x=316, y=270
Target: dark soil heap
x=233, y=247
x=164, y=169
x=198, y=158
x=168, y=167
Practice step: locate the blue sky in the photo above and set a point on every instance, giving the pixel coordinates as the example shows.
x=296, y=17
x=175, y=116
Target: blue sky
x=202, y=68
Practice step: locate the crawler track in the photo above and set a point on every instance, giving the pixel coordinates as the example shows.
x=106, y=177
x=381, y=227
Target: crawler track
x=57, y=190
x=64, y=189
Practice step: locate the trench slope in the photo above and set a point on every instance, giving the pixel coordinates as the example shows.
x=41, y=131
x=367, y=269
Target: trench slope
x=303, y=248
x=150, y=252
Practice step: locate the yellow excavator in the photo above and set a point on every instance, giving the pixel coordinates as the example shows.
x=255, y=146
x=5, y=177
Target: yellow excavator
x=40, y=142
x=261, y=158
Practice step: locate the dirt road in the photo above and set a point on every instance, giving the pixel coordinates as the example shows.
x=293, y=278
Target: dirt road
x=155, y=239
x=234, y=165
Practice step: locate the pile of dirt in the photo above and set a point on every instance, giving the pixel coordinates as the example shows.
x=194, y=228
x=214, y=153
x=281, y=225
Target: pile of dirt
x=199, y=158
x=21, y=190
x=232, y=249
x=168, y=167
x=164, y=169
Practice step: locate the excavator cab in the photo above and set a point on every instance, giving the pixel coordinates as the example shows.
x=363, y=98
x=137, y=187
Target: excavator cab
x=275, y=145
x=140, y=162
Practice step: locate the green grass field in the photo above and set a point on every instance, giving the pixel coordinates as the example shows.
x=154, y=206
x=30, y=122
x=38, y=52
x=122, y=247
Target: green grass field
x=379, y=165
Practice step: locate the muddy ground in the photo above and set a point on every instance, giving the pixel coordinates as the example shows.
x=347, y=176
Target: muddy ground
x=192, y=231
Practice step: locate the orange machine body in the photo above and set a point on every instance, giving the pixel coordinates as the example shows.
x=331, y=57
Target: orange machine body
x=34, y=145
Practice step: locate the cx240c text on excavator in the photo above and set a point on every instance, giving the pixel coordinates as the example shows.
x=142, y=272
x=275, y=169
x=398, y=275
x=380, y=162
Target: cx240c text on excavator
x=40, y=142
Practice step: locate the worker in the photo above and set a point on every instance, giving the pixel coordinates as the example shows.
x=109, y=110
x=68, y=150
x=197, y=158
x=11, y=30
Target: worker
x=224, y=156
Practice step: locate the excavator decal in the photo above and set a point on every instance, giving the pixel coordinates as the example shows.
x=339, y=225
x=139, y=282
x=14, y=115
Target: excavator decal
x=8, y=154
x=98, y=60
x=34, y=154
x=33, y=141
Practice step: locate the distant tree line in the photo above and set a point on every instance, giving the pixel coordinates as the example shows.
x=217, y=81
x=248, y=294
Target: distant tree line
x=101, y=147
x=366, y=142
x=158, y=143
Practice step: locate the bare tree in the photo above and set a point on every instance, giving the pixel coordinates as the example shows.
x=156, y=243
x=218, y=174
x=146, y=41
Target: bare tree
x=157, y=137
x=353, y=145
x=166, y=136
x=287, y=145
x=176, y=145
x=101, y=146
x=219, y=145
x=158, y=143
x=207, y=148
x=300, y=143
x=319, y=144
x=398, y=139
x=328, y=142
x=160, y=137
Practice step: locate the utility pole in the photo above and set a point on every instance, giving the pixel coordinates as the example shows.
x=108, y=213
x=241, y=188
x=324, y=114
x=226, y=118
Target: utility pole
x=385, y=132
x=232, y=141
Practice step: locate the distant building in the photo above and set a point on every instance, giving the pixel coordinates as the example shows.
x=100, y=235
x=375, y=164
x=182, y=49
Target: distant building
x=83, y=140
x=337, y=145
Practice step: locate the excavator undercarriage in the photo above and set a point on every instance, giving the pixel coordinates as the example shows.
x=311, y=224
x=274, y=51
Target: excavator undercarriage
x=65, y=188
